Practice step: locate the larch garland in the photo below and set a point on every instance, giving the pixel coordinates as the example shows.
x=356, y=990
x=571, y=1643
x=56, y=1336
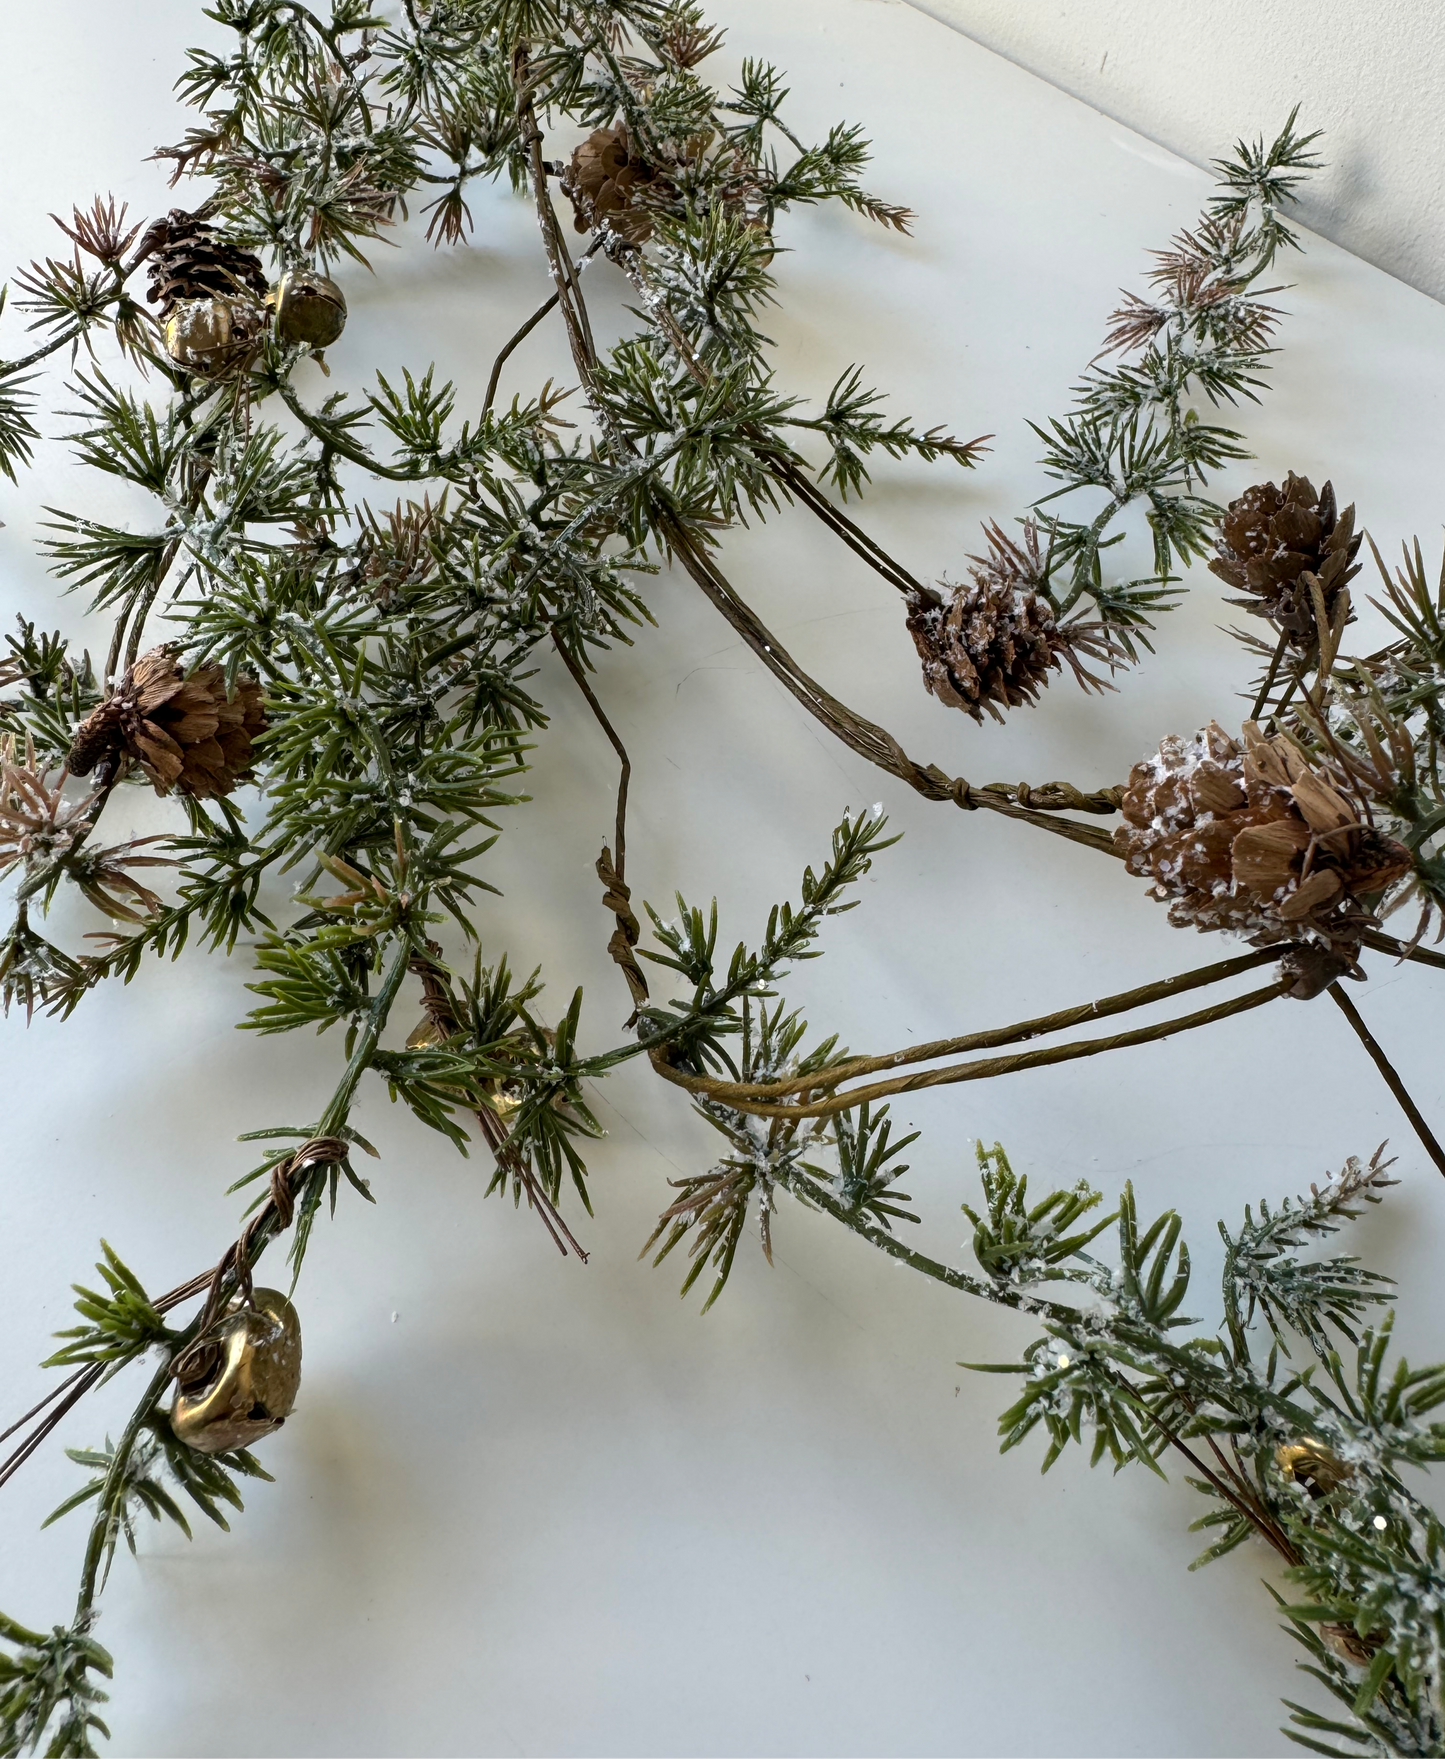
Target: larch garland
x=367, y=665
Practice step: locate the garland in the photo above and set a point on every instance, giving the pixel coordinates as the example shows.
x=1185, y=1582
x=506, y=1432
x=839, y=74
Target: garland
x=361, y=654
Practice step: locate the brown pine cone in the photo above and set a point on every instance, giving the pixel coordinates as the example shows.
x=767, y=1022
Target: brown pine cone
x=1273, y=542
x=1252, y=839
x=184, y=732
x=189, y=259
x=210, y=291
x=604, y=182
x=985, y=648
x=994, y=642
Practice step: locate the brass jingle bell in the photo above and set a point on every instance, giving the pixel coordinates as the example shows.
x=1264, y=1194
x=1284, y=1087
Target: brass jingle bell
x=1311, y=1464
x=209, y=336
x=238, y=1382
x=503, y=1096
x=309, y=308
x=507, y=1096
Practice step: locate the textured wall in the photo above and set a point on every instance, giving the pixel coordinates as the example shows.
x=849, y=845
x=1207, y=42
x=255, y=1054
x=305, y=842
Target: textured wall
x=1193, y=74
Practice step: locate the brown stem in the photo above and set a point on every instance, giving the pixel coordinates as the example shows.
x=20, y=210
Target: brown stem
x=1042, y=1024
x=733, y=1096
x=1386, y=943
x=851, y=533
x=520, y=337
x=1236, y=1475
x=79, y=1385
x=74, y=1388
x=861, y=735
x=1266, y=1528
x=1262, y=699
x=580, y=678
x=579, y=330
x=34, y=1410
x=494, y=1132
x=1392, y=1079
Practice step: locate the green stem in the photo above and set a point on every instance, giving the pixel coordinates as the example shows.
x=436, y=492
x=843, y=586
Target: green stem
x=331, y=436
x=14, y=1633
x=101, y=1526
x=376, y=1017
x=8, y=368
x=1000, y=1295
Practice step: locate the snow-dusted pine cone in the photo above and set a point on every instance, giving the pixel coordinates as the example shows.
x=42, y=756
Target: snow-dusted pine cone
x=1251, y=838
x=189, y=259
x=184, y=732
x=210, y=292
x=993, y=642
x=1273, y=542
x=604, y=181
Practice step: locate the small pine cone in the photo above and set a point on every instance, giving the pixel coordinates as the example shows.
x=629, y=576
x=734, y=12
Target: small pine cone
x=988, y=647
x=1252, y=839
x=189, y=259
x=1274, y=542
x=184, y=732
x=993, y=643
x=605, y=181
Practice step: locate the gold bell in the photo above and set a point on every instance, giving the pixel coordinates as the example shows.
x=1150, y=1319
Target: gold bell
x=506, y=1095
x=309, y=308
x=1310, y=1463
x=209, y=336
x=238, y=1381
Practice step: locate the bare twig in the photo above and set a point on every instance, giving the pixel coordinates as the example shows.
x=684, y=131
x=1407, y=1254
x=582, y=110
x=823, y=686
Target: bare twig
x=580, y=679
x=856, y=1067
x=735, y=1096
x=1385, y=943
x=1392, y=1079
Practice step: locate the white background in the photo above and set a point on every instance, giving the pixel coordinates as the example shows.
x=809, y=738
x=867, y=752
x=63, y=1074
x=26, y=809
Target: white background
x=530, y=1507
x=1191, y=73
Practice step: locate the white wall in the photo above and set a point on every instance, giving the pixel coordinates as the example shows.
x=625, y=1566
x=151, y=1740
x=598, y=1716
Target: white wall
x=1194, y=74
